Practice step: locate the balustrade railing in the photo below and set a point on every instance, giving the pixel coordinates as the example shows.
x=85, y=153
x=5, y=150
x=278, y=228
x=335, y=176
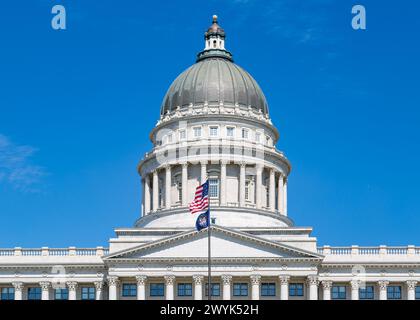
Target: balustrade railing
x=380, y=250
x=71, y=251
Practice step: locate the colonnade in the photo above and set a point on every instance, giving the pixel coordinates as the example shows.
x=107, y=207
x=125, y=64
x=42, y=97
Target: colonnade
x=276, y=181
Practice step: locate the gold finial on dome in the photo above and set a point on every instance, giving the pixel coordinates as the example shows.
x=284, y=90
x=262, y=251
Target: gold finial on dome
x=214, y=18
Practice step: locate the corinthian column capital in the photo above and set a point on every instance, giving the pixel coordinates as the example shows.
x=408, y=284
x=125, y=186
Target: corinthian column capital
x=141, y=279
x=18, y=286
x=326, y=284
x=198, y=278
x=284, y=279
x=226, y=279
x=255, y=279
x=169, y=279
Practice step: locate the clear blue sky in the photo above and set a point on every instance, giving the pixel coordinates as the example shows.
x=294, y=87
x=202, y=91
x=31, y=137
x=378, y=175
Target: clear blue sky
x=76, y=107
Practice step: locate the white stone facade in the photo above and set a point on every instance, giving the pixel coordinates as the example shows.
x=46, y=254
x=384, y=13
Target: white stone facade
x=257, y=251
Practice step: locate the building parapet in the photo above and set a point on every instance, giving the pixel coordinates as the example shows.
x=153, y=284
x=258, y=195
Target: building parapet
x=45, y=251
x=371, y=251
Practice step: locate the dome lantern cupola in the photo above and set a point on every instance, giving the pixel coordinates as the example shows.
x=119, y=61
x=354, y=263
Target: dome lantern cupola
x=214, y=39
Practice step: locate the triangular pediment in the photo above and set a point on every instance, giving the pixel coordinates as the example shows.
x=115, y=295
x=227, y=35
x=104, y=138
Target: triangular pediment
x=225, y=244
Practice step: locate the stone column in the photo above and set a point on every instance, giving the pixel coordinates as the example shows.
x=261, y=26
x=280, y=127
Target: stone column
x=411, y=290
x=383, y=289
x=45, y=287
x=155, y=190
x=113, y=288
x=18, y=290
x=72, y=286
x=198, y=286
x=203, y=175
x=272, y=189
x=326, y=289
x=285, y=197
x=280, y=193
x=223, y=183
x=141, y=287
x=355, y=284
x=284, y=287
x=255, y=286
x=258, y=188
x=227, y=280
x=242, y=178
x=99, y=290
x=147, y=194
x=168, y=184
x=184, y=184
x=313, y=287
x=169, y=290
x=143, y=187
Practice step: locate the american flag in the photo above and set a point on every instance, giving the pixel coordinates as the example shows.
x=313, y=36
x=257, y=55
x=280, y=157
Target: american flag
x=201, y=200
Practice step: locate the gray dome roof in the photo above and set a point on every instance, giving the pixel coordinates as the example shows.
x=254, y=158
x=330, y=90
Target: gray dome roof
x=214, y=79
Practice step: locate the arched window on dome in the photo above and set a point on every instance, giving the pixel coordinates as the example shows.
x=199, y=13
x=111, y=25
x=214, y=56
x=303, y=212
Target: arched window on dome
x=214, y=43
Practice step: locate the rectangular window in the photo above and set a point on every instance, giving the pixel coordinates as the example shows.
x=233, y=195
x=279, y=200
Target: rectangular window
x=129, y=290
x=338, y=292
x=244, y=133
x=88, y=293
x=179, y=189
x=170, y=138
x=184, y=289
x=34, y=293
x=366, y=293
x=418, y=293
x=215, y=290
x=296, y=290
x=393, y=292
x=268, y=289
x=240, y=289
x=230, y=132
x=247, y=190
x=214, y=188
x=182, y=134
x=257, y=137
x=157, y=289
x=7, y=293
x=214, y=131
x=61, y=294
x=197, y=132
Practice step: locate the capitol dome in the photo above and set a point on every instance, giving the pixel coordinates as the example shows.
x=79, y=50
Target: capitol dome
x=214, y=80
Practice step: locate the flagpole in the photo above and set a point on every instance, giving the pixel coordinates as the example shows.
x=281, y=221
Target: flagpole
x=209, y=248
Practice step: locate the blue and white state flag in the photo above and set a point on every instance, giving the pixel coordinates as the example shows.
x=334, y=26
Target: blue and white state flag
x=203, y=220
